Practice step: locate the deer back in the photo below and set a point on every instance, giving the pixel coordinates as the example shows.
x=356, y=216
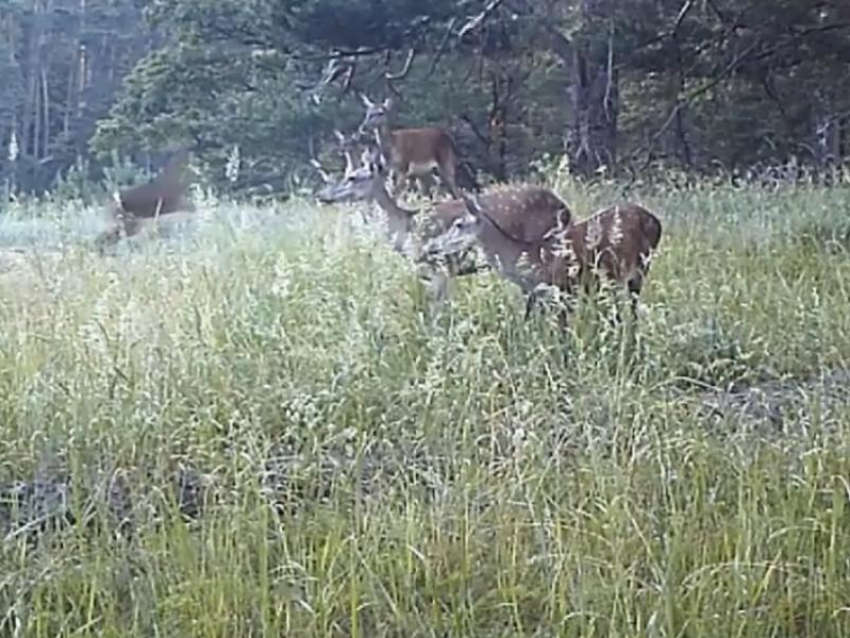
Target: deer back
x=422, y=146
x=164, y=194
x=617, y=240
x=527, y=213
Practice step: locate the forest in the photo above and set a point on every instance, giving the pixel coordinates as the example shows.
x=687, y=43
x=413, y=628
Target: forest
x=597, y=386
x=616, y=86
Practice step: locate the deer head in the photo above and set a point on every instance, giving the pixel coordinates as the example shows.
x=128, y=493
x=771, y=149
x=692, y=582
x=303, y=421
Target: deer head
x=358, y=183
x=377, y=114
x=463, y=232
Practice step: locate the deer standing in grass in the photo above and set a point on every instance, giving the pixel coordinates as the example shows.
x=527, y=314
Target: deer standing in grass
x=616, y=243
x=530, y=213
x=412, y=153
x=133, y=207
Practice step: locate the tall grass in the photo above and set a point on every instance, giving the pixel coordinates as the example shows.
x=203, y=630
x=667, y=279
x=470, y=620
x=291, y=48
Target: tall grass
x=262, y=428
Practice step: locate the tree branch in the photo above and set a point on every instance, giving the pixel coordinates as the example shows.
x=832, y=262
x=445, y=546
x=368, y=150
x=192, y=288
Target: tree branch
x=682, y=103
x=476, y=21
x=683, y=12
x=442, y=48
x=395, y=77
x=484, y=139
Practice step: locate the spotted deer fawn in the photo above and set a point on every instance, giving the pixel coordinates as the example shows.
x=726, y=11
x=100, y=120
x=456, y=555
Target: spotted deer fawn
x=531, y=213
x=616, y=243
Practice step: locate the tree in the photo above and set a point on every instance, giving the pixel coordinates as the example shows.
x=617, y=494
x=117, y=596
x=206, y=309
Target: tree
x=612, y=83
x=60, y=63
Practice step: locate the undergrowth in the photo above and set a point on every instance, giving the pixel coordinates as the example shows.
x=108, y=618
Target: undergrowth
x=263, y=428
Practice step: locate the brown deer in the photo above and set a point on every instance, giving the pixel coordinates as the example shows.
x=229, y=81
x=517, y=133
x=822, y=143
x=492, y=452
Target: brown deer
x=616, y=242
x=164, y=195
x=412, y=153
x=531, y=213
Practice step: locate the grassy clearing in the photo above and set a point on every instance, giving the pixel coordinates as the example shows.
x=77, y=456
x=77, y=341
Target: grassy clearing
x=261, y=430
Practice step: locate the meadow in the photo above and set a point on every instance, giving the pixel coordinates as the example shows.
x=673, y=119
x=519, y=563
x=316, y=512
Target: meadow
x=261, y=428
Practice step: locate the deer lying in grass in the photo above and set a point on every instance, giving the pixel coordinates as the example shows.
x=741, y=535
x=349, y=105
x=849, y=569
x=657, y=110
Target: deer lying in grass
x=133, y=207
x=412, y=153
x=616, y=243
x=529, y=213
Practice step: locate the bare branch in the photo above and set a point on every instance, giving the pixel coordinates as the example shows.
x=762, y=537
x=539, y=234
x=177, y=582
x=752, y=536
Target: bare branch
x=395, y=77
x=716, y=10
x=326, y=178
x=476, y=21
x=332, y=72
x=352, y=69
x=442, y=48
x=682, y=103
x=683, y=13
x=482, y=137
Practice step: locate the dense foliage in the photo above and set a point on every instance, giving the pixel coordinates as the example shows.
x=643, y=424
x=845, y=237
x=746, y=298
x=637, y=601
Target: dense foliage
x=614, y=84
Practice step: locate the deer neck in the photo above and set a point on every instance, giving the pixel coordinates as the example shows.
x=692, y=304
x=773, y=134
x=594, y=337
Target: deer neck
x=399, y=220
x=384, y=140
x=516, y=259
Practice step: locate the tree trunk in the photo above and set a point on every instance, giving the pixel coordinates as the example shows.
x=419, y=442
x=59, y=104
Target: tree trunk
x=45, y=147
x=827, y=140
x=592, y=135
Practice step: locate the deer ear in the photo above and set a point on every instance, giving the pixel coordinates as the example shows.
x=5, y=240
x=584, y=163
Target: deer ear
x=388, y=103
x=339, y=136
x=366, y=101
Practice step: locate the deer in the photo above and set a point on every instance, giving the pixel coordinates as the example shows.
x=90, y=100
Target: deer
x=531, y=213
x=615, y=243
x=133, y=207
x=352, y=151
x=351, y=148
x=412, y=152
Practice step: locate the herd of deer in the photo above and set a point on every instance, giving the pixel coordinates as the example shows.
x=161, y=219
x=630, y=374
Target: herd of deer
x=526, y=233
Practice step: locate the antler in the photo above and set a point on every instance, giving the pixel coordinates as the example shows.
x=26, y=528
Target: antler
x=394, y=77
x=326, y=178
x=332, y=72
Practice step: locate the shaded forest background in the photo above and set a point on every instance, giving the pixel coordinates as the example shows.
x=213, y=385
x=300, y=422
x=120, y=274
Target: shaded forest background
x=608, y=86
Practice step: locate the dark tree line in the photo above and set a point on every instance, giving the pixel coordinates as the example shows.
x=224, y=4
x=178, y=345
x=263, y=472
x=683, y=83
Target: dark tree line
x=62, y=63
x=616, y=85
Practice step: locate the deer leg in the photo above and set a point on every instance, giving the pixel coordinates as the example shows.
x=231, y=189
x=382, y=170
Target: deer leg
x=107, y=238
x=469, y=269
x=131, y=226
x=125, y=225
x=635, y=285
x=392, y=183
x=563, y=318
x=400, y=175
x=439, y=285
x=409, y=185
x=567, y=305
x=426, y=185
x=530, y=301
x=448, y=176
